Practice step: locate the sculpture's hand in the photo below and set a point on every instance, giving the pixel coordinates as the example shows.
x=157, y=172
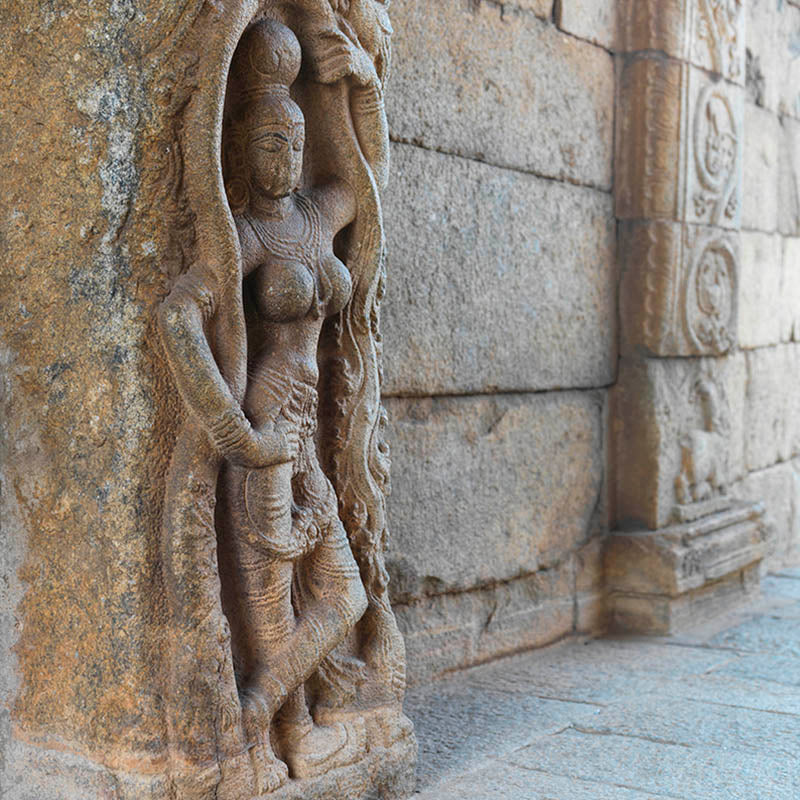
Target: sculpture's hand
x=241, y=444
x=264, y=449
x=291, y=435
x=342, y=6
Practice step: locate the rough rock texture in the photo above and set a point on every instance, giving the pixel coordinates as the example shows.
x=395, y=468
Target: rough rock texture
x=595, y=20
x=499, y=493
x=518, y=93
x=495, y=487
x=119, y=408
x=483, y=252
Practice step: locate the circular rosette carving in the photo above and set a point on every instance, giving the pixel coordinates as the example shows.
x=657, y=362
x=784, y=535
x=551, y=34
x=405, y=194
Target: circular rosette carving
x=717, y=150
x=710, y=298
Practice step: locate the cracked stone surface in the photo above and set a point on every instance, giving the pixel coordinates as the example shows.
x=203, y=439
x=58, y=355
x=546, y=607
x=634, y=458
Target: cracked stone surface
x=711, y=714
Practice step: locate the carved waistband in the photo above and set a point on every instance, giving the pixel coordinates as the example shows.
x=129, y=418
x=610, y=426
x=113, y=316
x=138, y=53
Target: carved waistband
x=294, y=400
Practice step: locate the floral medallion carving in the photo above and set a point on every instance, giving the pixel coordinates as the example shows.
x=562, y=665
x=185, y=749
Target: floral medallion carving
x=710, y=297
x=717, y=144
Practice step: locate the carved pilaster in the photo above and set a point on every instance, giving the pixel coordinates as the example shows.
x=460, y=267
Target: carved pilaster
x=678, y=198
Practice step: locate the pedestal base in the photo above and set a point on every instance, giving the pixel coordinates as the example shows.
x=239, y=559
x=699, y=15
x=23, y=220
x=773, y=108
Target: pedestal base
x=37, y=773
x=663, y=581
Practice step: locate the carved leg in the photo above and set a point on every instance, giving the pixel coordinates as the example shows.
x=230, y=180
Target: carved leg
x=331, y=600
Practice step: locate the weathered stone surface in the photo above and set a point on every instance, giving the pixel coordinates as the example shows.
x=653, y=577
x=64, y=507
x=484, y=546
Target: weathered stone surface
x=790, y=290
x=772, y=31
x=127, y=386
x=542, y=8
x=762, y=133
x=595, y=20
x=703, y=33
x=590, y=588
x=518, y=93
x=679, y=288
x=679, y=144
x=668, y=769
x=771, y=430
x=450, y=631
x=484, y=252
x=789, y=178
x=722, y=699
x=653, y=25
x=778, y=487
x=465, y=724
x=658, y=582
x=761, y=289
x=490, y=488
x=679, y=428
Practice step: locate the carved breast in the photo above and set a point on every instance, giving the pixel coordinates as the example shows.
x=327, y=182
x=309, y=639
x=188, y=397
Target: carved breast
x=339, y=286
x=284, y=290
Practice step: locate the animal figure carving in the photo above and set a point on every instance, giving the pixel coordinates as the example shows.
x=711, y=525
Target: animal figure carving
x=704, y=452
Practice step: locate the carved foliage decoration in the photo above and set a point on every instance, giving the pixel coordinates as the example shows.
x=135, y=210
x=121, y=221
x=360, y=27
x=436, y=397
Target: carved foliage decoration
x=717, y=146
x=718, y=36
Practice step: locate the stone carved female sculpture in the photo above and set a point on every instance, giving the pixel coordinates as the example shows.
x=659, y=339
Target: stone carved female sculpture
x=292, y=591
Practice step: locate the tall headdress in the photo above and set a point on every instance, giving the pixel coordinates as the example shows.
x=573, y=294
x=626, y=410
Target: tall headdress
x=265, y=65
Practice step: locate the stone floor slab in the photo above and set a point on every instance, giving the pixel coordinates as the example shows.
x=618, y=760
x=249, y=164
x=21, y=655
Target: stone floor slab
x=712, y=714
x=507, y=782
x=663, y=768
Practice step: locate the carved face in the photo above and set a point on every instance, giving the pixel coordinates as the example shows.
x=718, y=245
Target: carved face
x=275, y=154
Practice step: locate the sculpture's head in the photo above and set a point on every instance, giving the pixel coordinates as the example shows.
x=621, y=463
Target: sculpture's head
x=271, y=127
x=275, y=138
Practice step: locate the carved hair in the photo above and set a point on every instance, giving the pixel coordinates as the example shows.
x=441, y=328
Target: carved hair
x=265, y=65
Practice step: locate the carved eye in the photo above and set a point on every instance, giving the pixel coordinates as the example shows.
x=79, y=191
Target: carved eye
x=271, y=145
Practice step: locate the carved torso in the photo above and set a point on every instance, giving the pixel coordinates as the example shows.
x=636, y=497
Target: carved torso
x=293, y=283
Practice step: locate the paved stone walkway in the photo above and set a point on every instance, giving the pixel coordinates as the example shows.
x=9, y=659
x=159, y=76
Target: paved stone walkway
x=713, y=714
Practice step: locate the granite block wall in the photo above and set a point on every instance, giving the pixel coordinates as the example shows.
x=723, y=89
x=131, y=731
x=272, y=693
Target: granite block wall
x=501, y=323
x=769, y=289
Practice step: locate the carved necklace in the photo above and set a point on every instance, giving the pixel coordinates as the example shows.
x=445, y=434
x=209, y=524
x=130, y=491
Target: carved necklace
x=306, y=248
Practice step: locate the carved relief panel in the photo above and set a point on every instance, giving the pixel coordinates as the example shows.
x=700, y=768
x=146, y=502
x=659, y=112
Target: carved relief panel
x=714, y=144
x=285, y=662
x=679, y=291
x=680, y=437
x=717, y=43
x=679, y=145
x=706, y=33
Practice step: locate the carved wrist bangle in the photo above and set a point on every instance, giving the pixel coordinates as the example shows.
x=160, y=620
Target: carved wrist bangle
x=230, y=430
x=367, y=99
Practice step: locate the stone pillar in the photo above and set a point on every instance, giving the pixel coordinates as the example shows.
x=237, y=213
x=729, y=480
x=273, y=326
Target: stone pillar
x=684, y=547
x=193, y=597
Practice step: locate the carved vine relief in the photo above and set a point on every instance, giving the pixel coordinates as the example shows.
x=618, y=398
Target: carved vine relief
x=718, y=33
x=286, y=660
x=717, y=149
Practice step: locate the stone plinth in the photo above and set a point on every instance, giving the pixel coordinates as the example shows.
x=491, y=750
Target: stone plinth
x=662, y=581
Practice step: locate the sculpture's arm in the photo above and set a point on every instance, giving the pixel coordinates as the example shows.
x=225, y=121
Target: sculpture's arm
x=181, y=321
x=337, y=200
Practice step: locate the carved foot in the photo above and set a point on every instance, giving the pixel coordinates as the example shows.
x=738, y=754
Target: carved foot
x=260, y=699
x=313, y=750
x=269, y=771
